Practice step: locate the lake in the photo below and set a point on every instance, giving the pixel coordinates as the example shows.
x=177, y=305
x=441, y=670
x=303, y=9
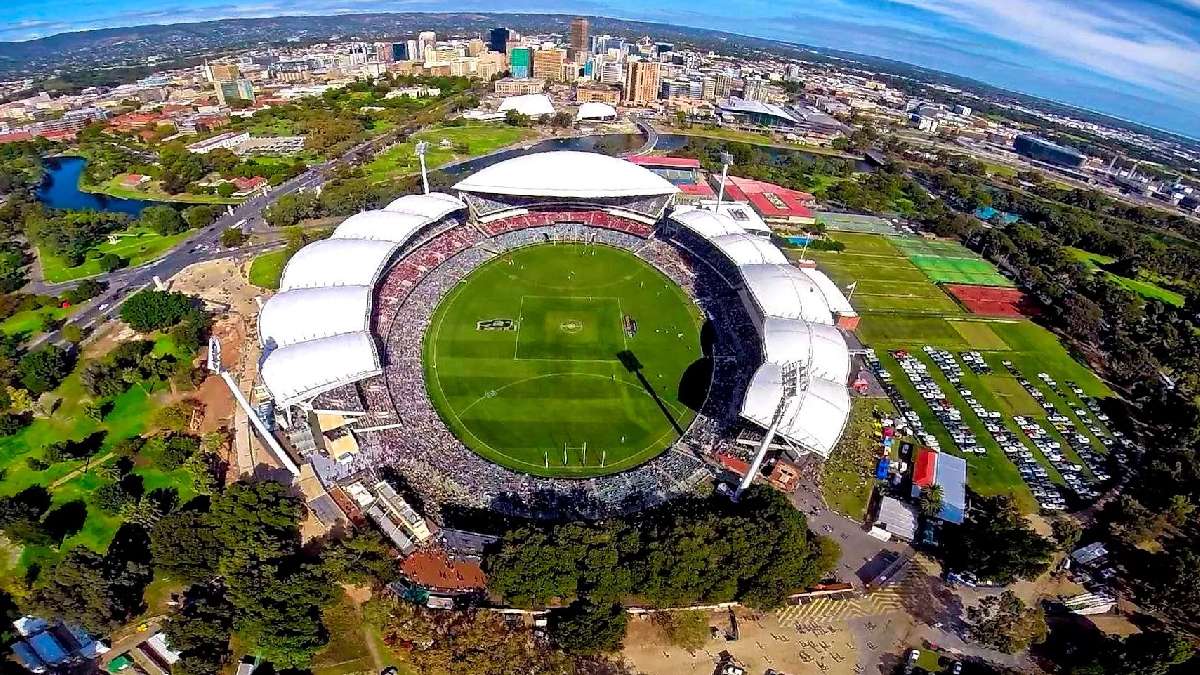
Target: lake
x=60, y=190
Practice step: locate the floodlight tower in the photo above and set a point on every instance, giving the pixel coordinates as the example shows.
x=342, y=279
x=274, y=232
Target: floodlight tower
x=421, y=147
x=794, y=375
x=726, y=160
x=214, y=365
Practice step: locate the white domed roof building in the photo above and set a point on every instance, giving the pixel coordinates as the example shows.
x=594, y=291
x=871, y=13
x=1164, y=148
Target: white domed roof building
x=595, y=110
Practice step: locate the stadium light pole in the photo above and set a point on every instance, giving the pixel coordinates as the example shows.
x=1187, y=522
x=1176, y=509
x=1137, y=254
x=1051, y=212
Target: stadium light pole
x=726, y=160
x=422, y=146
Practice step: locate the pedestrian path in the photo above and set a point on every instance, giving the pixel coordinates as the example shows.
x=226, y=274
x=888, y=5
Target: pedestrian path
x=888, y=600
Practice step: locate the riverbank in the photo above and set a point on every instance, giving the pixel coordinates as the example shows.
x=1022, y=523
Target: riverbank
x=152, y=193
x=751, y=138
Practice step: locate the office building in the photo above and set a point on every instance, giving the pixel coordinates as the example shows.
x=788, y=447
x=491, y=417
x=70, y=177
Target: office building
x=611, y=73
x=723, y=87
x=548, y=64
x=578, y=35
x=498, y=40
x=475, y=47
x=598, y=93
x=412, y=50
x=233, y=90
x=216, y=72
x=426, y=41
x=1044, y=151
x=756, y=90
x=512, y=86
x=520, y=62
x=641, y=82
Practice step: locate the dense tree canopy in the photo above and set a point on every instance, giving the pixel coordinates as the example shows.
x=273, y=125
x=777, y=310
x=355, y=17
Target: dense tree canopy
x=149, y=310
x=997, y=543
x=697, y=550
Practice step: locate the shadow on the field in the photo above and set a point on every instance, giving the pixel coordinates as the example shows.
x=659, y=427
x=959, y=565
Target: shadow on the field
x=633, y=365
x=693, y=386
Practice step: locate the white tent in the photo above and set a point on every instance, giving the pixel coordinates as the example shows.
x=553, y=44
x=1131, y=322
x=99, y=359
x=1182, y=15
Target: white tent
x=596, y=111
x=533, y=105
x=567, y=174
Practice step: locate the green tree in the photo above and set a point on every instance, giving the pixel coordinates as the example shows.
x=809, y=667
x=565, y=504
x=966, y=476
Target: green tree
x=98, y=592
x=163, y=220
x=200, y=630
x=364, y=558
x=72, y=333
x=1067, y=532
x=931, y=501
x=149, y=310
x=226, y=190
x=200, y=215
x=184, y=545
x=1005, y=623
x=43, y=370
x=233, y=237
x=586, y=628
x=109, y=262
x=997, y=543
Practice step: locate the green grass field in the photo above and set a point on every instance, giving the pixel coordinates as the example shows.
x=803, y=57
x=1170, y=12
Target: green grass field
x=34, y=321
x=471, y=140
x=903, y=308
x=848, y=476
x=71, y=480
x=1144, y=287
x=153, y=191
x=135, y=245
x=949, y=262
x=562, y=371
x=267, y=269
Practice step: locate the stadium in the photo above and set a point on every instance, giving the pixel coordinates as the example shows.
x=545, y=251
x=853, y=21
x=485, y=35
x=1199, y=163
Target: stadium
x=556, y=339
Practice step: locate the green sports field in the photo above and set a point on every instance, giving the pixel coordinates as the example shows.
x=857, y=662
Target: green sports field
x=533, y=361
x=948, y=262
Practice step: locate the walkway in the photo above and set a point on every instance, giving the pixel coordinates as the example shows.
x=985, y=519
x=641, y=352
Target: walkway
x=651, y=138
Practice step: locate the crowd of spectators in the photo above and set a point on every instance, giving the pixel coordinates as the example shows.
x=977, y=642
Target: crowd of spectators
x=407, y=433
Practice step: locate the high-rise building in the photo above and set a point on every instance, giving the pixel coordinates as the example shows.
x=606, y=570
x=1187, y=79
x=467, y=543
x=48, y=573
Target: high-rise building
x=220, y=72
x=498, y=40
x=578, y=36
x=724, y=86
x=425, y=41
x=755, y=90
x=708, y=90
x=475, y=47
x=548, y=64
x=641, y=82
x=520, y=62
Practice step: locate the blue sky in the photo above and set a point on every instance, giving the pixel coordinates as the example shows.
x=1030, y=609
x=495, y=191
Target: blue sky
x=1137, y=59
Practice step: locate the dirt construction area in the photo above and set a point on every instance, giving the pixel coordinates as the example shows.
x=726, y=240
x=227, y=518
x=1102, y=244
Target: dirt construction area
x=763, y=642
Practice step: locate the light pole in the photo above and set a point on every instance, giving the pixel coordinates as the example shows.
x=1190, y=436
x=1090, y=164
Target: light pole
x=726, y=160
x=422, y=146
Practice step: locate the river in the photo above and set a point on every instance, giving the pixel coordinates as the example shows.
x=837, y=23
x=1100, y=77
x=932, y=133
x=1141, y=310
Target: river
x=60, y=190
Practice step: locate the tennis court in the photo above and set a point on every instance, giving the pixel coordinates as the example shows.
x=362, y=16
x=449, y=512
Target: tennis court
x=947, y=262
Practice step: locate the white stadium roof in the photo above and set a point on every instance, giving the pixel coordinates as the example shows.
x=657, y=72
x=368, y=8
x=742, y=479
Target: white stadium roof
x=834, y=297
x=705, y=223
x=337, y=262
x=745, y=249
x=815, y=419
x=785, y=292
x=380, y=226
x=595, y=110
x=291, y=316
x=303, y=370
x=569, y=174
x=434, y=206
x=820, y=347
x=533, y=105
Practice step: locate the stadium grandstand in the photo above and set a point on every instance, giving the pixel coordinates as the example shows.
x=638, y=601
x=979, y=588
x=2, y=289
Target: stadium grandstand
x=342, y=339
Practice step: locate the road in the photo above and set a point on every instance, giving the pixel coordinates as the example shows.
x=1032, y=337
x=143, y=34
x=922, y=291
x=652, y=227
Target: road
x=202, y=246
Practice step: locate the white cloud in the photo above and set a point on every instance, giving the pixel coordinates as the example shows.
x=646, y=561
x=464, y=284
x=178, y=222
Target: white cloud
x=1131, y=45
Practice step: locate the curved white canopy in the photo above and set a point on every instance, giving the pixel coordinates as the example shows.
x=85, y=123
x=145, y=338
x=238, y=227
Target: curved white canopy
x=380, y=226
x=706, y=223
x=434, y=206
x=303, y=370
x=533, y=105
x=567, y=173
x=745, y=249
x=311, y=313
x=595, y=110
x=815, y=419
x=821, y=347
x=337, y=262
x=785, y=292
x=834, y=297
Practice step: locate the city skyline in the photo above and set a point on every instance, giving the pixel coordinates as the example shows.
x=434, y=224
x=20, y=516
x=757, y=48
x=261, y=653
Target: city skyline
x=1135, y=59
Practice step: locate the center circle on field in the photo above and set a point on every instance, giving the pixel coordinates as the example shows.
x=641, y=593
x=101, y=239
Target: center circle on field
x=595, y=374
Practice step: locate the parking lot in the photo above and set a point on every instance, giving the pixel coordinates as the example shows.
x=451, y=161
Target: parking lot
x=1059, y=464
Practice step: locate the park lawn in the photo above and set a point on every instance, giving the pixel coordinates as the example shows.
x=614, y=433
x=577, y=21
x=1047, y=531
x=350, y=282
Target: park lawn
x=846, y=269
x=1144, y=287
x=1000, y=170
x=479, y=139
x=32, y=322
x=857, y=243
x=135, y=245
x=68, y=481
x=152, y=191
x=751, y=137
x=267, y=269
x=908, y=304
x=848, y=476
